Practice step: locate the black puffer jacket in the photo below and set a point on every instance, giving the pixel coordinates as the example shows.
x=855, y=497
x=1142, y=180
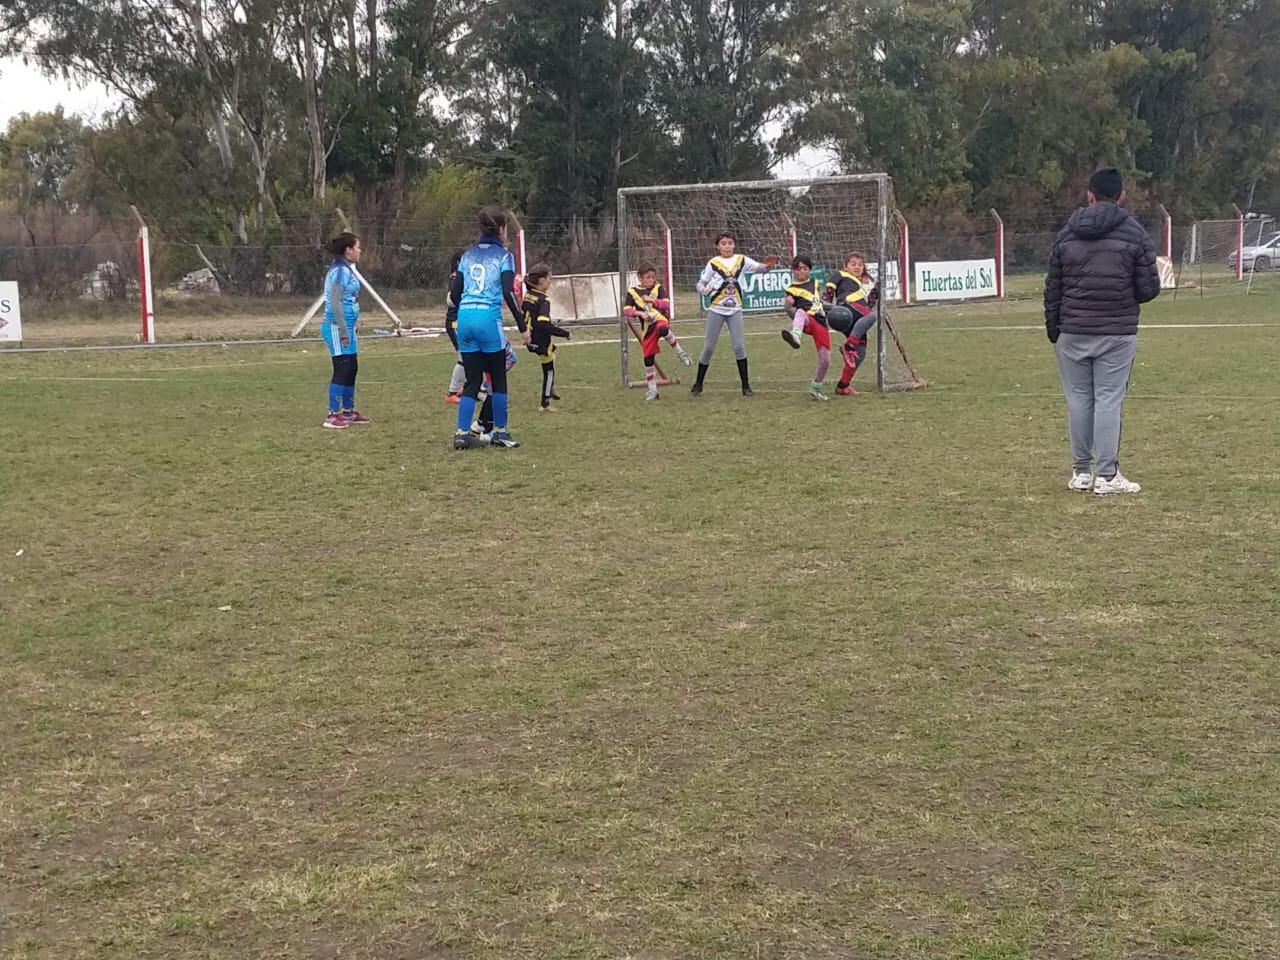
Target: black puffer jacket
x=1103, y=265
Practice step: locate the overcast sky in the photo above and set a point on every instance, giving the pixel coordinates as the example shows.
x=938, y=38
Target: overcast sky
x=26, y=90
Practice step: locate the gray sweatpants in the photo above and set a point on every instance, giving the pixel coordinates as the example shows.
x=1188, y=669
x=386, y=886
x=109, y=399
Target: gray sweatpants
x=1095, y=375
x=714, y=322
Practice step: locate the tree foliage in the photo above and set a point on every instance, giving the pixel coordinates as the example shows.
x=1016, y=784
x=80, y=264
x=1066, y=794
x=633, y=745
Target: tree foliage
x=239, y=114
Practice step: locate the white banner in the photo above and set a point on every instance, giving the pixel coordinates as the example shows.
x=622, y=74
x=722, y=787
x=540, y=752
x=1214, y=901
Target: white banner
x=890, y=292
x=955, y=279
x=10, y=314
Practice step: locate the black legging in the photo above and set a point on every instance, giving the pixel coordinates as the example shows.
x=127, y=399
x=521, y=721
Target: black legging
x=344, y=370
x=477, y=365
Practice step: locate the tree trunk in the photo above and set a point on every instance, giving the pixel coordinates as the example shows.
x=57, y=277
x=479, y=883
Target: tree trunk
x=371, y=16
x=311, y=97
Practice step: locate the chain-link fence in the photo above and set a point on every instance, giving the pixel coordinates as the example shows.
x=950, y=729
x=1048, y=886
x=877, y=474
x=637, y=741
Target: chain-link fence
x=209, y=285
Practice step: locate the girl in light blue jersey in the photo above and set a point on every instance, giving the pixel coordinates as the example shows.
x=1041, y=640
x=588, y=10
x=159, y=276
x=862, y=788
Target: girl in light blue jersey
x=485, y=280
x=338, y=330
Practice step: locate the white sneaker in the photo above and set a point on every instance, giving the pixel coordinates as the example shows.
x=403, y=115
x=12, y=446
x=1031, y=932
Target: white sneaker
x=651, y=393
x=1103, y=487
x=683, y=354
x=1080, y=482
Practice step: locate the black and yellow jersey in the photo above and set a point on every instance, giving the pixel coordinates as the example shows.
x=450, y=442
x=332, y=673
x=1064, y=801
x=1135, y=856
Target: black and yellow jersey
x=846, y=289
x=535, y=308
x=649, y=313
x=807, y=297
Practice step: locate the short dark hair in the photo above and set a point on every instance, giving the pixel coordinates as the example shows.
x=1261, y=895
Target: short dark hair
x=340, y=244
x=537, y=273
x=492, y=219
x=645, y=268
x=801, y=258
x=1106, y=183
x=726, y=235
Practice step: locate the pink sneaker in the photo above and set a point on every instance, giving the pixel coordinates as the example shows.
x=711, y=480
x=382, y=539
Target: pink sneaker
x=335, y=421
x=354, y=416
x=452, y=397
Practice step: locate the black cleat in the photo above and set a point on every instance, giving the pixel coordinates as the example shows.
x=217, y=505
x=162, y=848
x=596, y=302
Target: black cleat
x=470, y=441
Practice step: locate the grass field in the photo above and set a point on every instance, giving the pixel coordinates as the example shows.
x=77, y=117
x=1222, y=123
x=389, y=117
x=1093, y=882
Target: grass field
x=706, y=678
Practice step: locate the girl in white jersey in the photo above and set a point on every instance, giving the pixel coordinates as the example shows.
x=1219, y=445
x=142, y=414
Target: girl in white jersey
x=721, y=281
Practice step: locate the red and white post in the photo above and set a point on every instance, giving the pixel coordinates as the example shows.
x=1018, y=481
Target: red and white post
x=668, y=269
x=904, y=258
x=1168, y=231
x=793, y=241
x=1239, y=242
x=999, y=252
x=145, y=292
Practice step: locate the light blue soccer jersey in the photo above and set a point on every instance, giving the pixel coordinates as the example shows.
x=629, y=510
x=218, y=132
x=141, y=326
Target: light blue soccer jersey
x=482, y=267
x=341, y=275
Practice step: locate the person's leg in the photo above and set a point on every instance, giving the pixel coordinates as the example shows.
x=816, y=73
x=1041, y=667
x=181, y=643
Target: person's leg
x=473, y=362
x=335, y=384
x=1076, y=369
x=1112, y=367
x=496, y=366
x=666, y=333
x=650, y=377
x=862, y=326
x=548, y=383
x=349, y=385
x=714, y=322
x=822, y=343
x=737, y=336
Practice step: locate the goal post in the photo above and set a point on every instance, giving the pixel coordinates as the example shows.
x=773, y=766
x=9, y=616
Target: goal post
x=674, y=228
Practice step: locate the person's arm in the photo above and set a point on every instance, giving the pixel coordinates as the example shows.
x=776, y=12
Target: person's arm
x=629, y=308
x=455, y=289
x=662, y=302
x=338, y=309
x=509, y=295
x=753, y=266
x=1146, y=273
x=704, y=285
x=1053, y=296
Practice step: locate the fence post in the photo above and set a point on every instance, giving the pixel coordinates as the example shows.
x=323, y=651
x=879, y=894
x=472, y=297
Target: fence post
x=1239, y=242
x=999, y=252
x=1168, y=231
x=145, y=293
x=904, y=258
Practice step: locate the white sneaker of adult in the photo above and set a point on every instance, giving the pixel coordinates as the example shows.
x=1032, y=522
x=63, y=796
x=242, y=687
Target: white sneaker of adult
x=1103, y=487
x=1080, y=482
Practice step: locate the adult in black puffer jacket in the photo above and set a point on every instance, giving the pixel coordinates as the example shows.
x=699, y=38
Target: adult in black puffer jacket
x=1101, y=269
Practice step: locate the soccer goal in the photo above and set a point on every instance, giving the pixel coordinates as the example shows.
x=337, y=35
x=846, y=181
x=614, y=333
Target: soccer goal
x=675, y=227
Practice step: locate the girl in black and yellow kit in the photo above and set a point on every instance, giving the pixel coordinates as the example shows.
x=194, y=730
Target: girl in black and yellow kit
x=537, y=316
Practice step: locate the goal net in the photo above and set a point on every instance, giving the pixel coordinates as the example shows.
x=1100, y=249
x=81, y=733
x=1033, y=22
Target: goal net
x=674, y=228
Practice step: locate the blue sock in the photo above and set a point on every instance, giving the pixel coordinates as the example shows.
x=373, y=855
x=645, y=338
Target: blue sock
x=499, y=411
x=466, y=412
x=349, y=398
x=335, y=398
